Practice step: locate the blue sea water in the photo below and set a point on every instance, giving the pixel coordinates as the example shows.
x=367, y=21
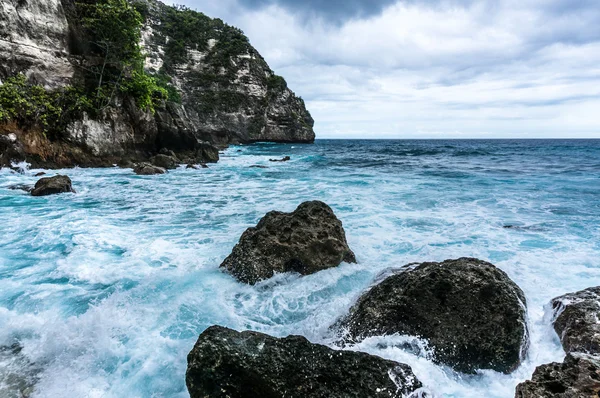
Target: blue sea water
x=106, y=290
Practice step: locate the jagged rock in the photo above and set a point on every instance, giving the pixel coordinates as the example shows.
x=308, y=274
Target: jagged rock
x=226, y=363
x=470, y=312
x=146, y=169
x=576, y=320
x=21, y=187
x=577, y=377
x=165, y=161
x=52, y=185
x=285, y=159
x=192, y=166
x=41, y=173
x=306, y=241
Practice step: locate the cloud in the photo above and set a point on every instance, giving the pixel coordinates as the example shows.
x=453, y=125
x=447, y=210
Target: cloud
x=433, y=68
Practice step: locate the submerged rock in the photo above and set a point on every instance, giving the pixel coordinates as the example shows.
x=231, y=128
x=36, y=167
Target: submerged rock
x=146, y=169
x=470, y=312
x=306, y=241
x=577, y=377
x=226, y=363
x=21, y=187
x=255, y=166
x=285, y=159
x=41, y=173
x=52, y=185
x=577, y=322
x=18, y=375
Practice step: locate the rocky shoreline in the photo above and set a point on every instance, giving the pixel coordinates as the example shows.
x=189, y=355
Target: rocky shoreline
x=472, y=316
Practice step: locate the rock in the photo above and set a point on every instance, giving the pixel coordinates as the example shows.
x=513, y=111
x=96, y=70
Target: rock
x=192, y=166
x=204, y=165
x=21, y=187
x=18, y=375
x=226, y=363
x=577, y=377
x=471, y=313
x=41, y=173
x=255, y=166
x=306, y=241
x=207, y=153
x=165, y=161
x=285, y=159
x=146, y=169
x=576, y=320
x=52, y=185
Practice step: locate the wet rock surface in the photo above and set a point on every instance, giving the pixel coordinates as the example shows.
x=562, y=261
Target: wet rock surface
x=577, y=377
x=308, y=240
x=21, y=187
x=469, y=311
x=165, y=161
x=146, y=169
x=284, y=159
x=226, y=363
x=52, y=185
x=577, y=322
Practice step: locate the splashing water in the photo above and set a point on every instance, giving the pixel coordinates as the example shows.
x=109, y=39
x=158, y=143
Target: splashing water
x=104, y=292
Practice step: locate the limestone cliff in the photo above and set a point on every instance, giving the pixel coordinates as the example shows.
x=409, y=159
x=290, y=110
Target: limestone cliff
x=221, y=91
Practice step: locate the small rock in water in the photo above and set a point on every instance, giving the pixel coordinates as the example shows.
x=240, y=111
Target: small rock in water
x=52, y=185
x=192, y=166
x=165, y=161
x=255, y=166
x=577, y=377
x=308, y=240
x=145, y=169
x=41, y=173
x=285, y=159
x=226, y=363
x=469, y=311
x=204, y=165
x=576, y=320
x=22, y=187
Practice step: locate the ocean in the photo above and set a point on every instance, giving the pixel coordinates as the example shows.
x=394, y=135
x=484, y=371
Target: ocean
x=104, y=292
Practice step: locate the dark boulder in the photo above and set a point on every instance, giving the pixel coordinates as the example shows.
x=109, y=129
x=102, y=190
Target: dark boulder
x=306, y=241
x=470, y=312
x=256, y=166
x=285, y=159
x=146, y=169
x=576, y=320
x=207, y=153
x=52, y=185
x=192, y=166
x=577, y=377
x=165, y=161
x=226, y=363
x=41, y=173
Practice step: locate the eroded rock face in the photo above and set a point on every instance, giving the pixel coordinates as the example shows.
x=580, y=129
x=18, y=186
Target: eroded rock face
x=146, y=169
x=52, y=185
x=577, y=377
x=226, y=363
x=306, y=241
x=470, y=312
x=577, y=322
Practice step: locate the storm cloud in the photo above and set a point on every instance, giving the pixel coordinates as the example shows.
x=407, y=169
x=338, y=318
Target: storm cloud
x=432, y=68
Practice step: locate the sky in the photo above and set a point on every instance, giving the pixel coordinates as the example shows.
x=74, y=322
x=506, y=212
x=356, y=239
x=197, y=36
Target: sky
x=432, y=68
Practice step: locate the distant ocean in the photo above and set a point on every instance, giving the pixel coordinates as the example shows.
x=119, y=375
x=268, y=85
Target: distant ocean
x=104, y=292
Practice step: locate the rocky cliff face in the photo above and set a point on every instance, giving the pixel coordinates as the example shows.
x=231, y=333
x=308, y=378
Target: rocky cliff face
x=221, y=90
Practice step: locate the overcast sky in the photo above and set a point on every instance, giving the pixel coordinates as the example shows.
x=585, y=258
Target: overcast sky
x=432, y=68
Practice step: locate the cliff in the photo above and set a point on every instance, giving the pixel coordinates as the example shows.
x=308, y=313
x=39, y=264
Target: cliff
x=80, y=89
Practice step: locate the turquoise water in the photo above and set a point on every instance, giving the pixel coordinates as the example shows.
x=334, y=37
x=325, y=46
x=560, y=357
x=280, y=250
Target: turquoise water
x=107, y=290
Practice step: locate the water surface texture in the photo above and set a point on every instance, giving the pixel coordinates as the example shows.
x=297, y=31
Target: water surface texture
x=104, y=292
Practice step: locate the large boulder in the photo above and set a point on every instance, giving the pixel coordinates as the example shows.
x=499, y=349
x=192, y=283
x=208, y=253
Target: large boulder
x=469, y=311
x=576, y=320
x=308, y=240
x=577, y=377
x=207, y=153
x=226, y=363
x=52, y=185
x=146, y=169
